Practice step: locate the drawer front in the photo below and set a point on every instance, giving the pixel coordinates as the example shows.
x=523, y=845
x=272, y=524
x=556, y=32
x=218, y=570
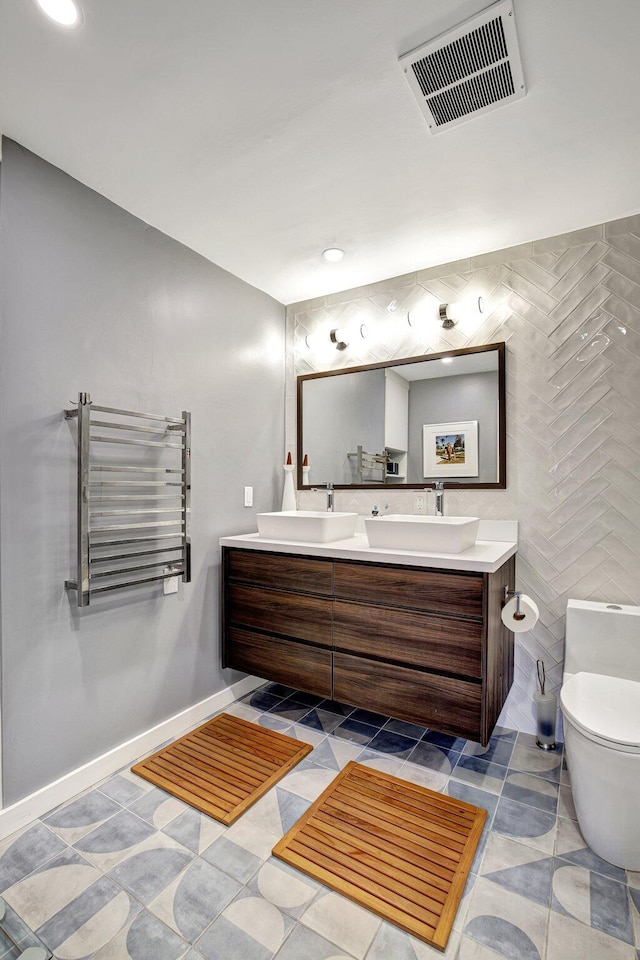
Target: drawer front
x=296, y=664
x=432, y=590
x=453, y=706
x=302, y=574
x=299, y=616
x=421, y=640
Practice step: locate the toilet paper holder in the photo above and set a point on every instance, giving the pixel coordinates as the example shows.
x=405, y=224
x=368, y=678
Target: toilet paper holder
x=518, y=615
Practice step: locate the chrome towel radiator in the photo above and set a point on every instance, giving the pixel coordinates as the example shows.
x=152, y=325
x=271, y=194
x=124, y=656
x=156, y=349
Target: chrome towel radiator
x=148, y=487
x=369, y=462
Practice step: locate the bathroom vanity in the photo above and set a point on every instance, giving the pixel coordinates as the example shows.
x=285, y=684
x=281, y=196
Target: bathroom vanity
x=412, y=635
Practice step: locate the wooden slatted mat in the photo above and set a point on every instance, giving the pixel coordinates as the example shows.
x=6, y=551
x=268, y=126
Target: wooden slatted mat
x=397, y=849
x=224, y=766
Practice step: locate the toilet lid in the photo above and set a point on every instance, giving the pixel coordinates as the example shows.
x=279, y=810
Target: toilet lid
x=607, y=707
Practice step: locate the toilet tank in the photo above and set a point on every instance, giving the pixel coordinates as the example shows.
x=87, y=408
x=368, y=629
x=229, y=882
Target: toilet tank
x=602, y=638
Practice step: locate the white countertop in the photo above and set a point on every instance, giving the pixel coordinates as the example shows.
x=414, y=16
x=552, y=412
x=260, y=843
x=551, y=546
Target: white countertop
x=486, y=556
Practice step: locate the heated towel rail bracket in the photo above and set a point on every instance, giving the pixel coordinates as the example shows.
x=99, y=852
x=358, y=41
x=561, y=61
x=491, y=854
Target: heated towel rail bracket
x=132, y=514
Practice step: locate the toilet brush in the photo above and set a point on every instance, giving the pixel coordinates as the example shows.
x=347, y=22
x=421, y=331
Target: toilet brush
x=546, y=708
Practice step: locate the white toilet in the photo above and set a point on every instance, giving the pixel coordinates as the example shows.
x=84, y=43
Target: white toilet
x=600, y=701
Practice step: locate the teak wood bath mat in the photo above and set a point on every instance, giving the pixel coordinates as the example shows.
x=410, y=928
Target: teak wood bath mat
x=398, y=849
x=224, y=766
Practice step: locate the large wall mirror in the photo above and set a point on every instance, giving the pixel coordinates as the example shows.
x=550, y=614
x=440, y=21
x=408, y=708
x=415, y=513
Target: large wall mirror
x=406, y=423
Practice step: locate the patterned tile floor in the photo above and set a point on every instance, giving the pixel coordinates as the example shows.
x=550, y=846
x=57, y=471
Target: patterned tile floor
x=126, y=872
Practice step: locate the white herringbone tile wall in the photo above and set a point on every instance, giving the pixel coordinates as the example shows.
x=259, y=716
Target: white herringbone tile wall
x=569, y=311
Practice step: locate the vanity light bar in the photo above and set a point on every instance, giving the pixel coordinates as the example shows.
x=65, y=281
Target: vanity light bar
x=448, y=313
x=339, y=337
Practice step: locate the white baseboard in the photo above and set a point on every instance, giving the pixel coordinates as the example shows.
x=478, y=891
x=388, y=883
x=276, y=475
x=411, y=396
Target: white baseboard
x=42, y=801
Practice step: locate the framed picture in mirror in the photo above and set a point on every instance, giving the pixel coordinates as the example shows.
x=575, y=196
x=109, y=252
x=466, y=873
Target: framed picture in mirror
x=450, y=449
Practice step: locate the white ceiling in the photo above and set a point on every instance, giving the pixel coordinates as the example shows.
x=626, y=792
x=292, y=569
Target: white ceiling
x=258, y=133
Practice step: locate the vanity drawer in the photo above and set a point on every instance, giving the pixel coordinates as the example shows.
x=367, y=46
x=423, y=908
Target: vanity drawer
x=433, y=590
x=301, y=574
x=295, y=664
x=274, y=611
x=422, y=640
x=453, y=706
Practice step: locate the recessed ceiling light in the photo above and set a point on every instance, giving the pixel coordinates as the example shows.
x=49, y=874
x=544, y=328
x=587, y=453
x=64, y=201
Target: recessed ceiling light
x=333, y=254
x=65, y=12
x=447, y=359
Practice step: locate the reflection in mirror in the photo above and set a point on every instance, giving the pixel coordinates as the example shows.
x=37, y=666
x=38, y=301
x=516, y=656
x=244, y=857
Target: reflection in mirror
x=407, y=423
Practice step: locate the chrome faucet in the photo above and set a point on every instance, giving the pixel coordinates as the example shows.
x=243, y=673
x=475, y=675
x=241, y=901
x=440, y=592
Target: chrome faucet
x=439, y=492
x=330, y=505
x=329, y=487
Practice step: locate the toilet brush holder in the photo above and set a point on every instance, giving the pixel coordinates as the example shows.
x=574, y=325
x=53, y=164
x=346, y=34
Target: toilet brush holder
x=546, y=709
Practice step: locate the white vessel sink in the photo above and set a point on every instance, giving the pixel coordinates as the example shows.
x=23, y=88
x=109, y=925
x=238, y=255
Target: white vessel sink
x=315, y=526
x=431, y=534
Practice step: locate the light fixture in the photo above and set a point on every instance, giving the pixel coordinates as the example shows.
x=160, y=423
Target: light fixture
x=64, y=12
x=447, y=359
x=445, y=313
x=333, y=254
x=341, y=337
x=312, y=341
x=420, y=315
x=324, y=338
x=450, y=313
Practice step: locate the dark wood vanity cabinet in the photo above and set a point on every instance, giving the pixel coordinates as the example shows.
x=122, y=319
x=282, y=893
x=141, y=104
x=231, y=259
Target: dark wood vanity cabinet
x=418, y=644
x=277, y=618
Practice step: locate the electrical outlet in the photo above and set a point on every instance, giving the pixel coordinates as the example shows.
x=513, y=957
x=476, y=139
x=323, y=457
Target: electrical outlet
x=248, y=496
x=420, y=502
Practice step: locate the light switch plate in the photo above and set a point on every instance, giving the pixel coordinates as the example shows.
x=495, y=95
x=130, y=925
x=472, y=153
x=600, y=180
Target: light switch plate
x=248, y=496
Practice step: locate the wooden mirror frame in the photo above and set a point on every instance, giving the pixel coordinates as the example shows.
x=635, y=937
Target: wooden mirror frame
x=501, y=482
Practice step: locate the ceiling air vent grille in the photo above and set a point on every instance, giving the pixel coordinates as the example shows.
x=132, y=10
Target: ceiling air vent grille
x=469, y=70
x=476, y=50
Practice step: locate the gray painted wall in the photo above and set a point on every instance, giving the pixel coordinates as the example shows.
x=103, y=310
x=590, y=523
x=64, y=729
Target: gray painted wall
x=93, y=299
x=475, y=397
x=339, y=414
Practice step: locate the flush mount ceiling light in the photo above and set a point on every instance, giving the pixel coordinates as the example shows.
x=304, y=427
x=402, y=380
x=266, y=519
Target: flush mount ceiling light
x=333, y=254
x=64, y=12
